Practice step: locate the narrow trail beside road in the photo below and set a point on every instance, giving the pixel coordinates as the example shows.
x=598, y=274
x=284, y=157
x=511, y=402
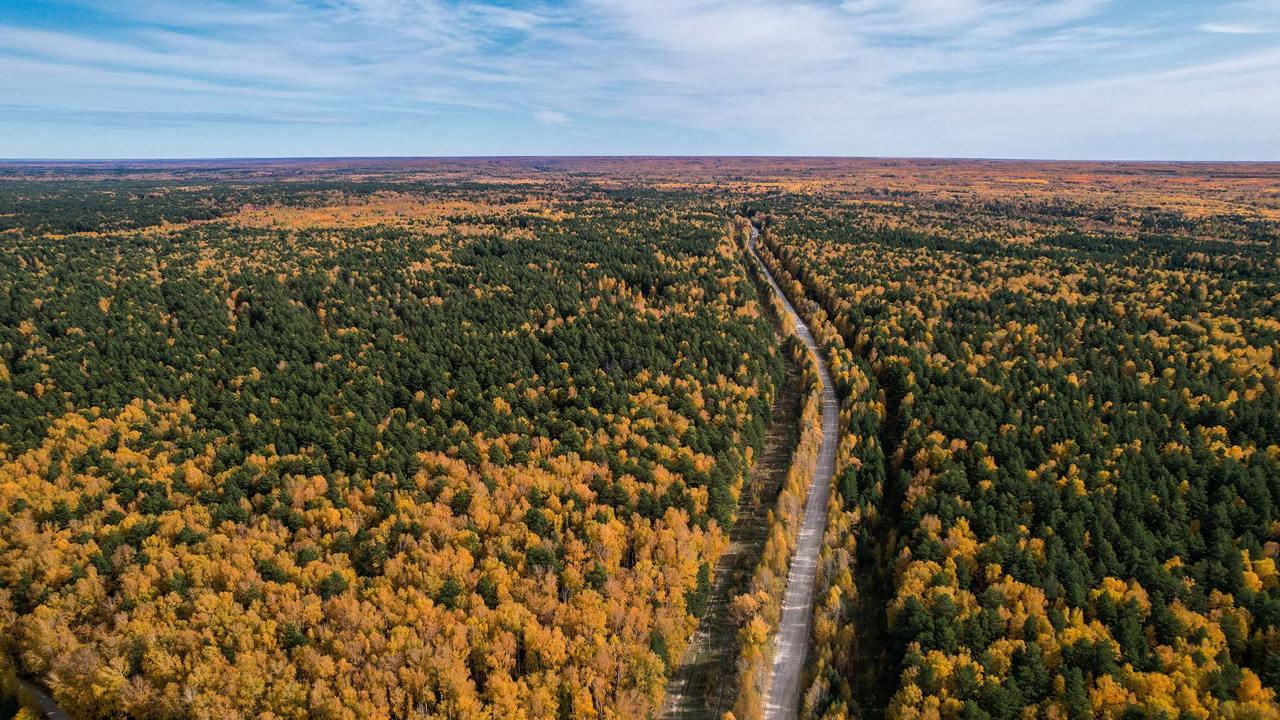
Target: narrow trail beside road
x=792, y=642
x=702, y=688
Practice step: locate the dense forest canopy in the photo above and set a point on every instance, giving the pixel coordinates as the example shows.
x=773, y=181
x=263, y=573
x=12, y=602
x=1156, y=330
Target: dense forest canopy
x=466, y=438
x=1064, y=461
x=409, y=451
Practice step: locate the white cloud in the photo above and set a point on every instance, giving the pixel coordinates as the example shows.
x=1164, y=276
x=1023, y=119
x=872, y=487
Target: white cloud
x=1244, y=17
x=952, y=77
x=551, y=117
x=1234, y=29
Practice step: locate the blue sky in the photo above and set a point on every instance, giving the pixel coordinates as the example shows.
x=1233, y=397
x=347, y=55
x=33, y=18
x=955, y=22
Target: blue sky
x=1092, y=79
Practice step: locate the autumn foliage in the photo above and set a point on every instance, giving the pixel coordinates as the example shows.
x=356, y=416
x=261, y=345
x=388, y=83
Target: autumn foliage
x=1061, y=460
x=465, y=438
x=463, y=458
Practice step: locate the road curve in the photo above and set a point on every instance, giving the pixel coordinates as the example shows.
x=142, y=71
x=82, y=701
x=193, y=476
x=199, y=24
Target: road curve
x=791, y=644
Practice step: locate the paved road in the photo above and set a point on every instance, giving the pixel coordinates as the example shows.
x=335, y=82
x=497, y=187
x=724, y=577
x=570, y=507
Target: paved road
x=791, y=645
x=30, y=695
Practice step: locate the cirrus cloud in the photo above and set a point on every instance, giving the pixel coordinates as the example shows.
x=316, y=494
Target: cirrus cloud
x=1048, y=78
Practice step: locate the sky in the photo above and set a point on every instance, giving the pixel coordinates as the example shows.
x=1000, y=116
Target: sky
x=1071, y=79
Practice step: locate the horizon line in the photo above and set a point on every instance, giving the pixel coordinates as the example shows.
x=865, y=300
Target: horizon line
x=622, y=156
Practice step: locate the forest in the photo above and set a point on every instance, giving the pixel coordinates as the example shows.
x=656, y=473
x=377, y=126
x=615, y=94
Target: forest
x=428, y=452
x=1061, y=474
x=468, y=438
